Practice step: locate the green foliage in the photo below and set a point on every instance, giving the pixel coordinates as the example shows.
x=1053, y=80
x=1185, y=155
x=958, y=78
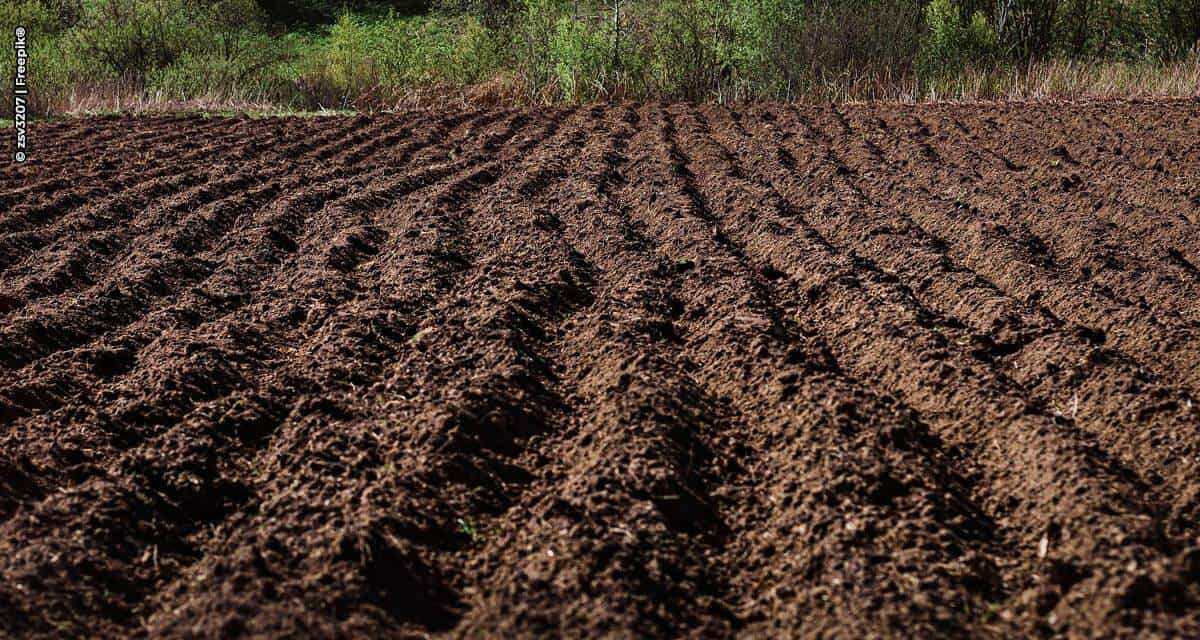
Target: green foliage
x=852, y=45
x=468, y=529
x=365, y=53
x=133, y=37
x=1098, y=29
x=299, y=12
x=953, y=42
x=583, y=58
x=1173, y=26
x=685, y=41
x=742, y=49
x=529, y=43
x=35, y=16
x=252, y=69
x=359, y=59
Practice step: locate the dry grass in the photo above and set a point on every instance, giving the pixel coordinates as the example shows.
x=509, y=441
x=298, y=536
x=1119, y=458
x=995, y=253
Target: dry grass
x=1051, y=80
x=1065, y=79
x=116, y=96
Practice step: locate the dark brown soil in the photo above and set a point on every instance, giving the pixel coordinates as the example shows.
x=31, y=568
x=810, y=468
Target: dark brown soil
x=860, y=371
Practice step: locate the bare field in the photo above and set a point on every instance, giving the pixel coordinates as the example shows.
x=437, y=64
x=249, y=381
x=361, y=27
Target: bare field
x=858, y=371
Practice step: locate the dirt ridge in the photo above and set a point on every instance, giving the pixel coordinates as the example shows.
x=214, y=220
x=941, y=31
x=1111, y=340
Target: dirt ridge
x=608, y=370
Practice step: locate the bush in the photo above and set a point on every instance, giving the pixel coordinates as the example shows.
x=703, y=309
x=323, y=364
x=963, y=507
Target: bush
x=255, y=71
x=953, y=43
x=1027, y=27
x=581, y=50
x=34, y=15
x=864, y=46
x=584, y=59
x=1174, y=26
x=682, y=43
x=360, y=61
x=131, y=38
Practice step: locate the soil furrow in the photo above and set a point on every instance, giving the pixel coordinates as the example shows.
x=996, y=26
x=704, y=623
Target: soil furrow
x=128, y=196
x=228, y=289
x=217, y=372
x=53, y=209
x=613, y=370
x=586, y=528
x=182, y=243
x=1019, y=264
x=115, y=361
x=794, y=366
x=1059, y=369
x=122, y=206
x=389, y=321
x=1137, y=166
x=981, y=413
x=1065, y=370
x=53, y=151
x=1115, y=244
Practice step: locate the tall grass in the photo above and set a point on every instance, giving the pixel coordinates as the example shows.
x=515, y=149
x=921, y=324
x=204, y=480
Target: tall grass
x=114, y=54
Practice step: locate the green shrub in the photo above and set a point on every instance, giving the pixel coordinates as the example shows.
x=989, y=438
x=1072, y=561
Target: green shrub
x=255, y=73
x=580, y=50
x=681, y=39
x=361, y=60
x=1027, y=27
x=134, y=37
x=1173, y=26
x=308, y=13
x=859, y=46
x=953, y=43
x=34, y=15
x=583, y=58
x=473, y=52
x=341, y=70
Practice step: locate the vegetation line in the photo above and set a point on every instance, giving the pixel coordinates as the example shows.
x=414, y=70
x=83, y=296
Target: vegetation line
x=312, y=55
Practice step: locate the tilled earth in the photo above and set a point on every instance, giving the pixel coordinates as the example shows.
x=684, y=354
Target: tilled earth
x=629, y=370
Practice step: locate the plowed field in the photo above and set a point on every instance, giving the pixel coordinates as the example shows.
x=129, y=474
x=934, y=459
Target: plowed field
x=635, y=370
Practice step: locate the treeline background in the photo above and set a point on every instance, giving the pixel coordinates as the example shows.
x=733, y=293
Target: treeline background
x=89, y=55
